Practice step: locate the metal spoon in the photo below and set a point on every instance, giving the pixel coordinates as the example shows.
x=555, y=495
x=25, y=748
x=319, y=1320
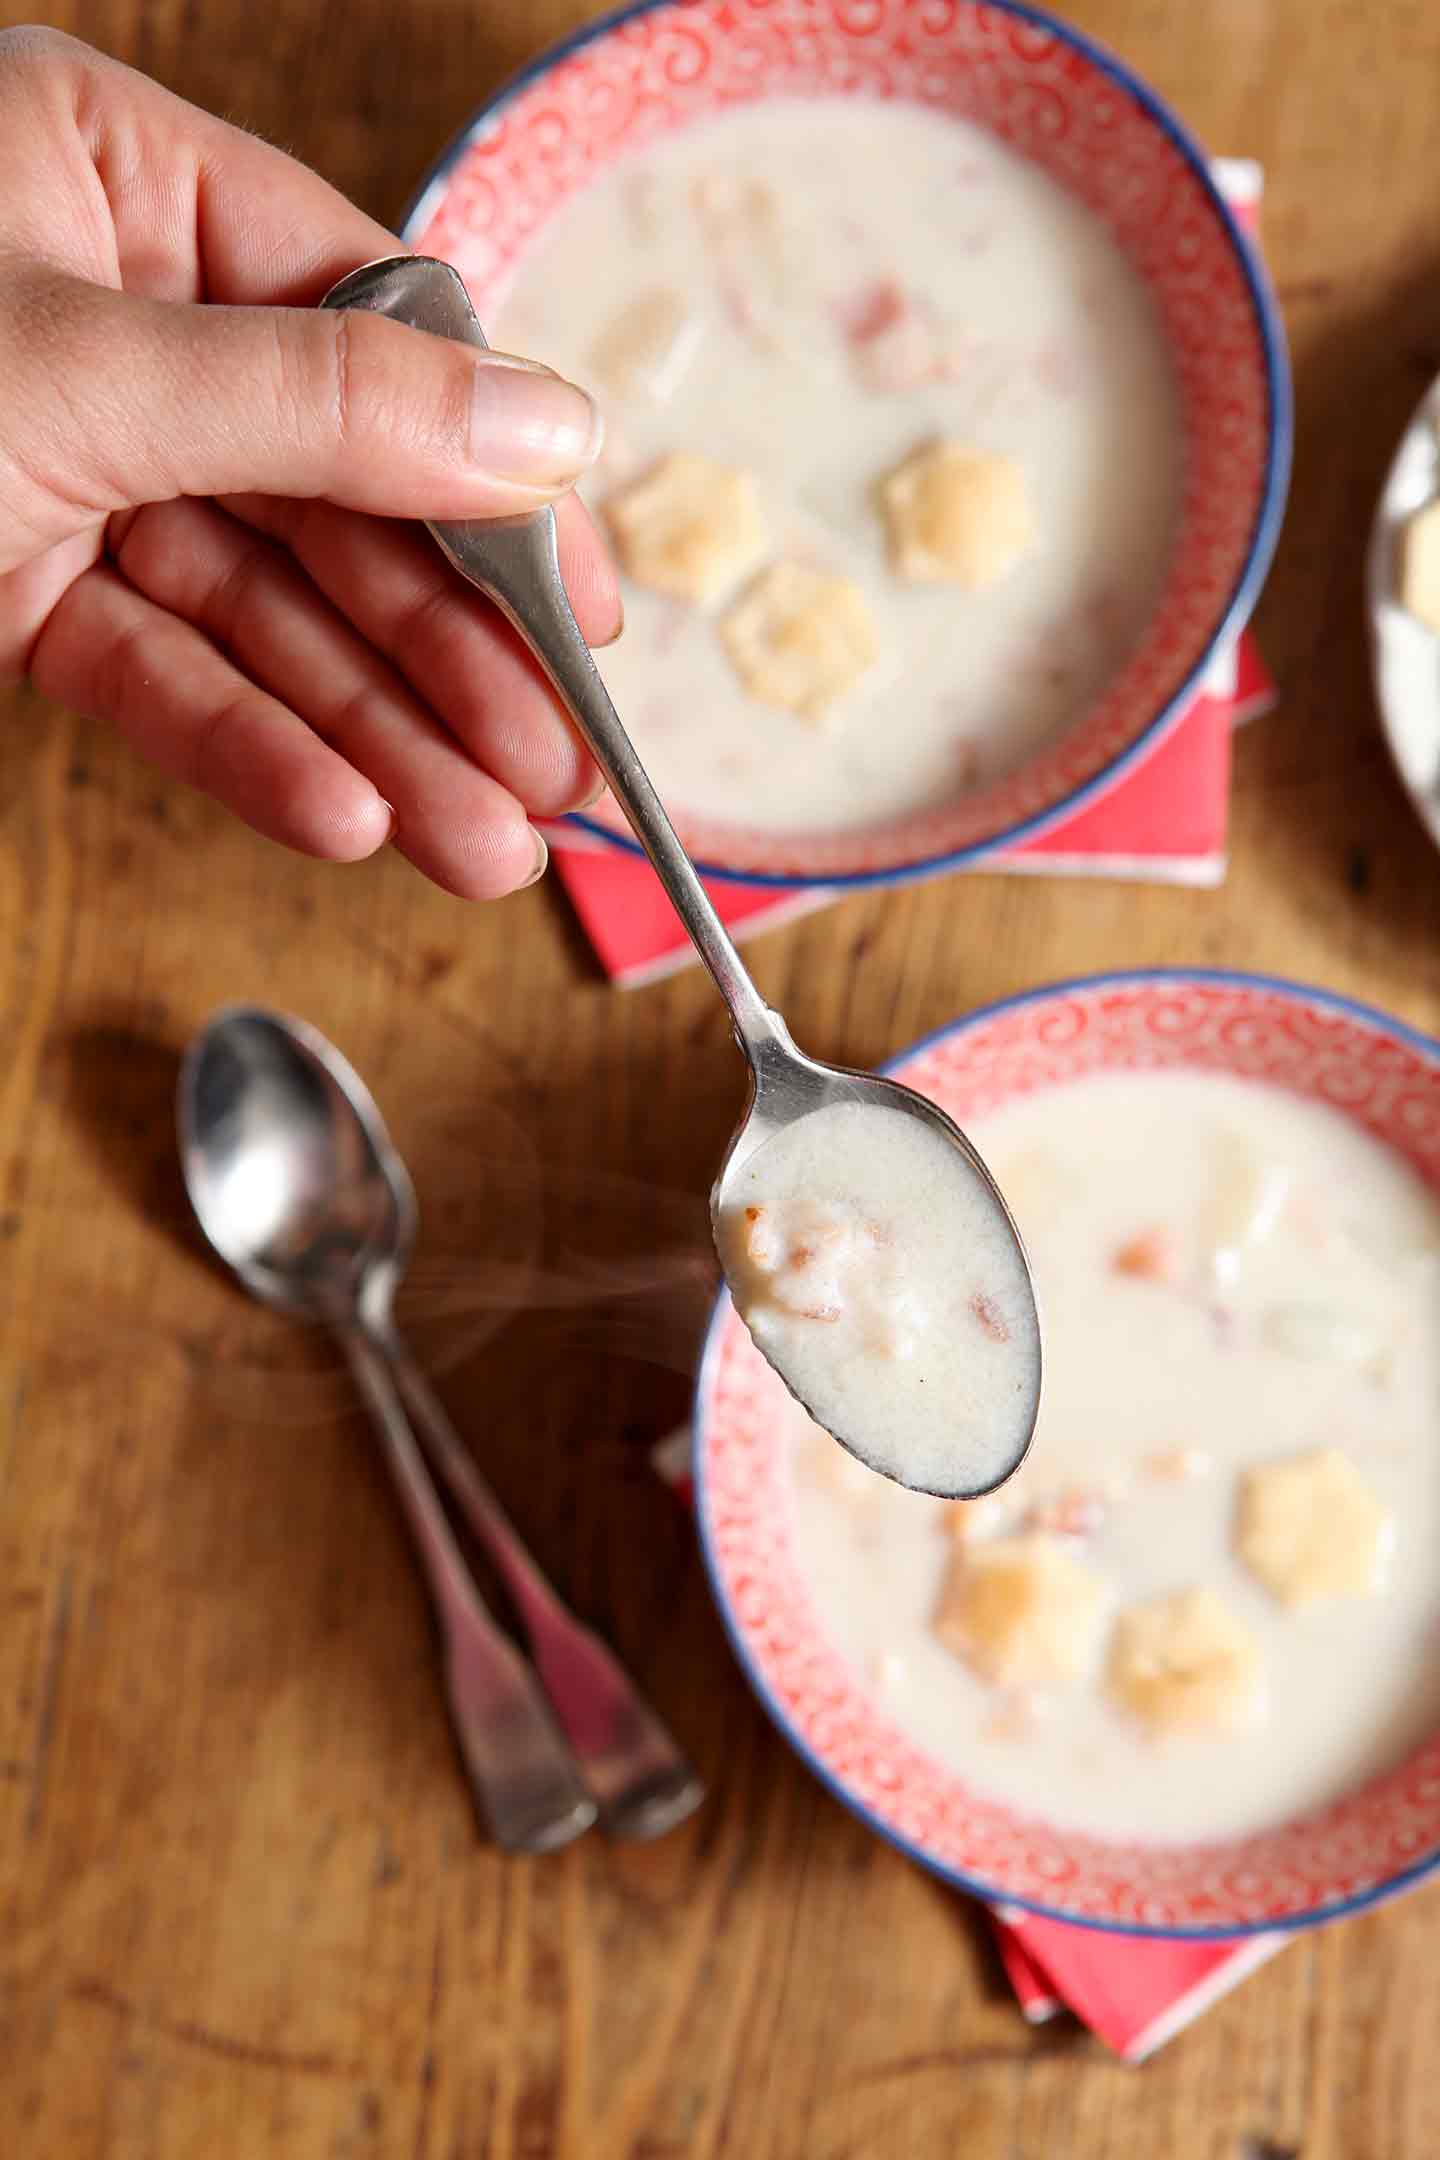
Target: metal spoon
x=297, y=1185
x=514, y=561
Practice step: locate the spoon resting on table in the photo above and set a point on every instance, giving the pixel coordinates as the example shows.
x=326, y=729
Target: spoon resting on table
x=864, y=1241
x=297, y=1185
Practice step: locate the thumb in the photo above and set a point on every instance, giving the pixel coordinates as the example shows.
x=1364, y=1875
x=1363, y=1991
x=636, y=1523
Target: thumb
x=141, y=400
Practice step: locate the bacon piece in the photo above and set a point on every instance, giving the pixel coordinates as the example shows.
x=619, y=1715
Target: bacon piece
x=988, y=1313
x=875, y=309
x=761, y=1244
x=1151, y=1256
x=1075, y=1512
x=1174, y=1465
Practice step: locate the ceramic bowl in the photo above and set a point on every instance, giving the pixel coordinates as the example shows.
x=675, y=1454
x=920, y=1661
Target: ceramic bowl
x=1074, y=109
x=1373, y=1841
x=1407, y=678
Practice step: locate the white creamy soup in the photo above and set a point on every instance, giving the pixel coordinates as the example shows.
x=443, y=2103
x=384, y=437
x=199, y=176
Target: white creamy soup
x=892, y=460
x=1210, y=1598
x=875, y=1270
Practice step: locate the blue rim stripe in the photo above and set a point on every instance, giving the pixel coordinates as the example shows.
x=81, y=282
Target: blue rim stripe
x=976, y=1886
x=1264, y=533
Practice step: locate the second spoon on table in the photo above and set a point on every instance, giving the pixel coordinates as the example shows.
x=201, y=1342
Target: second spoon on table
x=296, y=1183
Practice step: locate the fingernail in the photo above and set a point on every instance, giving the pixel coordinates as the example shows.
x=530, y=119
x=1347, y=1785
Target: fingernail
x=542, y=857
x=389, y=809
x=603, y=642
x=518, y=360
x=592, y=794
x=530, y=426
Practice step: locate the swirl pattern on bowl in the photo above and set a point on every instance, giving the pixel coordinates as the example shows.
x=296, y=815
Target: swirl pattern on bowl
x=1057, y=99
x=1372, y=1841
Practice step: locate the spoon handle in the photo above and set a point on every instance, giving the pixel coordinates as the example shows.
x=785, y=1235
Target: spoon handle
x=515, y=562
x=631, y=1764
x=523, y=1776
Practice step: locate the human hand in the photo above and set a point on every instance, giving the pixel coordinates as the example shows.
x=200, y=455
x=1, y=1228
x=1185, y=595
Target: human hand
x=202, y=478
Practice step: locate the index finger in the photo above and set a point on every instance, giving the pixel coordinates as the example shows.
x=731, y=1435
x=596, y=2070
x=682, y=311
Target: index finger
x=200, y=210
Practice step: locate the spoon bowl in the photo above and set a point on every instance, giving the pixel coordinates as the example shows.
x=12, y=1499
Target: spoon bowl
x=289, y=1167
x=514, y=560
x=789, y=1088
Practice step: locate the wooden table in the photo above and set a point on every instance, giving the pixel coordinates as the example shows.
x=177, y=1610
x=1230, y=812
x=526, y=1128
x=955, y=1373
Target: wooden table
x=243, y=1909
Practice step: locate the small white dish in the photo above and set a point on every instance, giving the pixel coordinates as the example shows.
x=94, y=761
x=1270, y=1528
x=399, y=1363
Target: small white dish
x=1407, y=655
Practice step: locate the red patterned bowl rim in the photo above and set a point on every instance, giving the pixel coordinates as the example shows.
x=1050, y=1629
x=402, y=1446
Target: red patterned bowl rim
x=1024, y=805
x=1364, y=1848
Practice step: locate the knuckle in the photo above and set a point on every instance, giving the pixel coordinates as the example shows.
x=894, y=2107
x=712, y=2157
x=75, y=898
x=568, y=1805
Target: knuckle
x=47, y=77
x=238, y=597
x=137, y=542
x=429, y=619
x=210, y=764
x=50, y=454
x=295, y=366
x=311, y=369
x=60, y=343
x=117, y=667
x=39, y=49
x=397, y=385
x=341, y=378
x=442, y=411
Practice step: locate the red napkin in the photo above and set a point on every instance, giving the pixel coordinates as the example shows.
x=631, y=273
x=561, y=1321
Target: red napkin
x=1134, y=1992
x=1165, y=819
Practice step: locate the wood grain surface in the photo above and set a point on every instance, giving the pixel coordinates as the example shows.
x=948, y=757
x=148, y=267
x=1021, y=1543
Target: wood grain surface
x=243, y=1909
